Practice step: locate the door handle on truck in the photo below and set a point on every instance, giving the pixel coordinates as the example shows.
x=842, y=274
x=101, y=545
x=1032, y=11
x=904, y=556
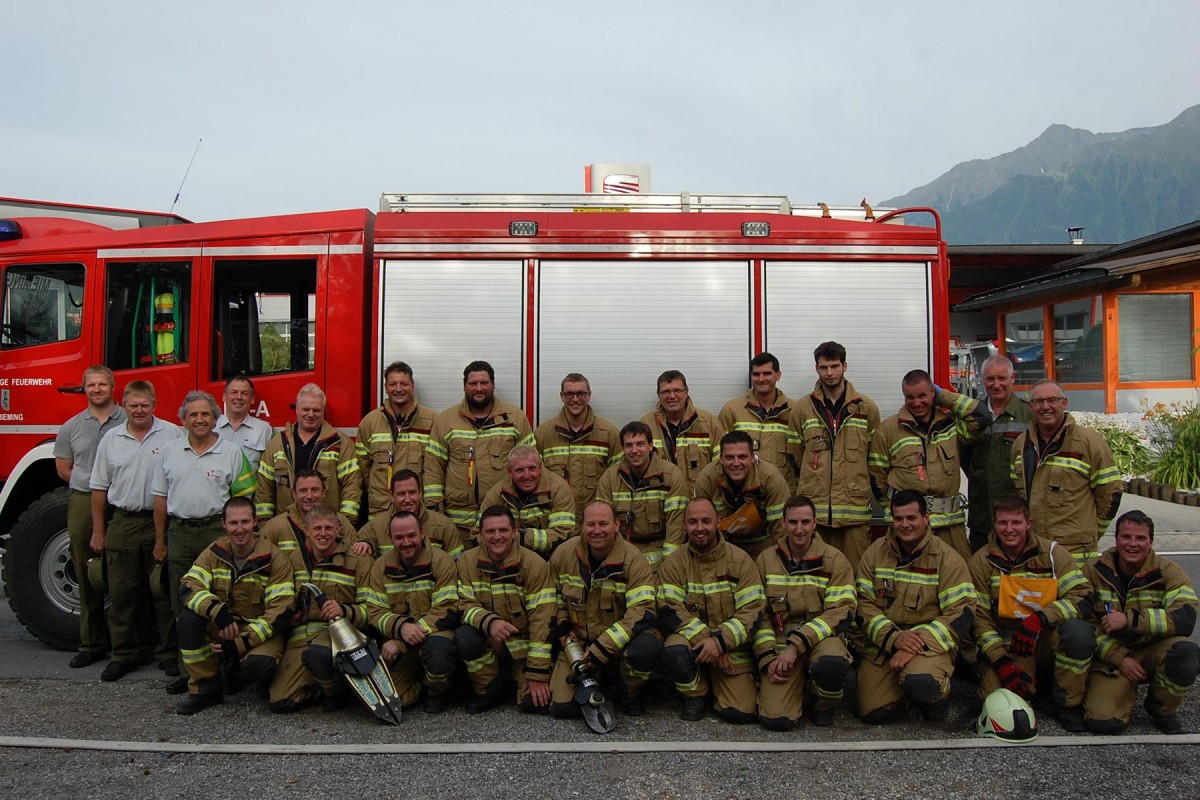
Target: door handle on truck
x=69, y=389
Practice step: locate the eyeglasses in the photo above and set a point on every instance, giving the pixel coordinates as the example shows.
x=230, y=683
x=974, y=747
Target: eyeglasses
x=666, y=392
x=573, y=395
x=1047, y=401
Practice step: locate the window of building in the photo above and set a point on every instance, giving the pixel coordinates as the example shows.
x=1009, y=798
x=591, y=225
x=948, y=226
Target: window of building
x=265, y=317
x=148, y=311
x=1155, y=337
x=1079, y=340
x=1024, y=344
x=43, y=303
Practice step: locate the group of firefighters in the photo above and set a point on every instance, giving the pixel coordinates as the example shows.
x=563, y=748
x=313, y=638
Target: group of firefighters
x=730, y=553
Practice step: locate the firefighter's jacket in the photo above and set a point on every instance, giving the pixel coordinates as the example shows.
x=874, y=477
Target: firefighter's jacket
x=545, y=516
x=830, y=450
x=692, y=445
x=441, y=533
x=928, y=590
x=1073, y=595
x=749, y=514
x=520, y=591
x=908, y=455
x=988, y=462
x=1072, y=485
x=467, y=456
x=717, y=594
x=387, y=443
x=342, y=576
x=286, y=531
x=767, y=427
x=1159, y=602
x=579, y=457
x=649, y=507
x=333, y=457
x=425, y=593
x=259, y=595
x=808, y=600
x=605, y=605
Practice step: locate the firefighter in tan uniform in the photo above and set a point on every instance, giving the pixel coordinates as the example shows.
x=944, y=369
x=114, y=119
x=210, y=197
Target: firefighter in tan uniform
x=412, y=600
x=1066, y=473
x=1145, y=613
x=764, y=412
x=748, y=495
x=236, y=598
x=918, y=449
x=649, y=494
x=374, y=538
x=392, y=437
x=308, y=443
x=468, y=446
x=286, y=531
x=542, y=502
x=306, y=670
x=831, y=438
x=1032, y=607
x=810, y=605
x=710, y=598
x=606, y=602
x=577, y=445
x=687, y=436
x=507, y=599
x=916, y=603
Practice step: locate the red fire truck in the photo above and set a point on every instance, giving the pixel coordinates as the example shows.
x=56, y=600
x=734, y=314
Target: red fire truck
x=618, y=288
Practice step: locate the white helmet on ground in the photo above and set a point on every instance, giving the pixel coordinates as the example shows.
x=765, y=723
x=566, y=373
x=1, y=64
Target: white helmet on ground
x=1006, y=716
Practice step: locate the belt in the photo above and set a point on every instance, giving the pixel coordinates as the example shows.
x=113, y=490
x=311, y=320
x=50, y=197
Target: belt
x=149, y=512
x=945, y=505
x=199, y=522
x=79, y=491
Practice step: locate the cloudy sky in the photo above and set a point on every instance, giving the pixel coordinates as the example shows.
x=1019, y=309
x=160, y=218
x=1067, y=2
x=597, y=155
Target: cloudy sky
x=306, y=106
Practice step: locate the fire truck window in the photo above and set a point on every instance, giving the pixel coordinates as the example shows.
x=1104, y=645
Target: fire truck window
x=43, y=303
x=149, y=306
x=264, y=317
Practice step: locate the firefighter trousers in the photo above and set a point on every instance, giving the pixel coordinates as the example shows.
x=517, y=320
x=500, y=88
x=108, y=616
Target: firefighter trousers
x=820, y=673
x=431, y=664
x=1067, y=648
x=185, y=543
x=484, y=658
x=138, y=623
x=93, y=624
x=305, y=672
x=735, y=697
x=852, y=540
x=203, y=664
x=922, y=681
x=631, y=669
x=1171, y=665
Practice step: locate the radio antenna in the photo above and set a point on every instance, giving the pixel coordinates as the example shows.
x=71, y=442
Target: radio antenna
x=185, y=175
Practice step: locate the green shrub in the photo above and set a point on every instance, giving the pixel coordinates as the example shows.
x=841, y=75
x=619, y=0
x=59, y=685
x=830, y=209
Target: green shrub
x=1175, y=444
x=1132, y=457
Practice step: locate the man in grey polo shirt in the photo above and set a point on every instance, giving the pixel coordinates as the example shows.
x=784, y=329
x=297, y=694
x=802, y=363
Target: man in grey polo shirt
x=238, y=425
x=196, y=474
x=123, y=529
x=74, y=451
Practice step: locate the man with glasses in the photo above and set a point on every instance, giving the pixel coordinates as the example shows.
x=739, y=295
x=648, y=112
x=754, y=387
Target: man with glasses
x=577, y=445
x=687, y=436
x=1066, y=473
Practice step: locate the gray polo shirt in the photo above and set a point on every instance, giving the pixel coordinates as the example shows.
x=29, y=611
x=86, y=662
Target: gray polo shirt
x=78, y=439
x=125, y=467
x=197, y=486
x=252, y=435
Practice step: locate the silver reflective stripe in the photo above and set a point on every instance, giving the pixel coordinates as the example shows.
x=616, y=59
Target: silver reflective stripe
x=746, y=250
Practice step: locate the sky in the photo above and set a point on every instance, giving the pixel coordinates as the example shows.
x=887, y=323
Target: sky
x=306, y=106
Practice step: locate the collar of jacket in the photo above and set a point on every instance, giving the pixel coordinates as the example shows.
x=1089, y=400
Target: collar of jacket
x=564, y=429
x=613, y=562
x=917, y=551
x=259, y=558
x=386, y=408
x=1034, y=546
x=718, y=552
x=812, y=560
x=500, y=412
x=654, y=469
x=752, y=484
x=326, y=431
x=781, y=400
x=423, y=562
x=1059, y=436
x=940, y=415
x=542, y=492
x=508, y=567
x=1011, y=408
x=851, y=395
x=340, y=548
x=689, y=415
x=1150, y=573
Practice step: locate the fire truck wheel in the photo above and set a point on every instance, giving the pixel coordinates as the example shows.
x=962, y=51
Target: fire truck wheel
x=42, y=588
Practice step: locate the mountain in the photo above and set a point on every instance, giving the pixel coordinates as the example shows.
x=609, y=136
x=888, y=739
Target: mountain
x=1117, y=186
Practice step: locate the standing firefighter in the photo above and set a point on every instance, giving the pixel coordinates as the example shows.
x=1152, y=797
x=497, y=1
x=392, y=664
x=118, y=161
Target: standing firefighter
x=831, y=437
x=577, y=445
x=798, y=641
x=468, y=446
x=686, y=436
x=764, y=413
x=392, y=437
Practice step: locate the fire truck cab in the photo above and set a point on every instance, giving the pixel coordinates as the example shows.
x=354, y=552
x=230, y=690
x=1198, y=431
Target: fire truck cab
x=618, y=288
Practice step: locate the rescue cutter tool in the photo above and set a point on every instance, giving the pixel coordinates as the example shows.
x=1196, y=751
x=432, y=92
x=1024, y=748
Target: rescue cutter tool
x=598, y=711
x=359, y=660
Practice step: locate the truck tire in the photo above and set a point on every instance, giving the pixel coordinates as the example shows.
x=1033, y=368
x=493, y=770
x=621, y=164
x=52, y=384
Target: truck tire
x=43, y=590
